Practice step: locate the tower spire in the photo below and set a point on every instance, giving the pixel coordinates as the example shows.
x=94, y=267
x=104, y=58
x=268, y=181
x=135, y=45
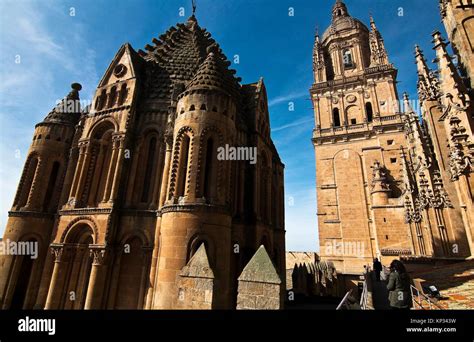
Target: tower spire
x=378, y=54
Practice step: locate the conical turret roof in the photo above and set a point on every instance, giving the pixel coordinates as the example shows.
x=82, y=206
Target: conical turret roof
x=213, y=74
x=68, y=110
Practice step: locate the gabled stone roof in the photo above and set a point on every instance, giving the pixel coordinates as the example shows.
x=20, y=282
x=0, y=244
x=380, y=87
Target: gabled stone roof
x=260, y=269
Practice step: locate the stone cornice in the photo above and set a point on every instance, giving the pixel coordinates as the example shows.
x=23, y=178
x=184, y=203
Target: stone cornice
x=36, y=214
x=86, y=211
x=194, y=207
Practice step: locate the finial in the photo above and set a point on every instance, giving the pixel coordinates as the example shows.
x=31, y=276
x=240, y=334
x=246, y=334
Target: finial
x=437, y=38
x=406, y=97
x=194, y=6
x=76, y=86
x=418, y=50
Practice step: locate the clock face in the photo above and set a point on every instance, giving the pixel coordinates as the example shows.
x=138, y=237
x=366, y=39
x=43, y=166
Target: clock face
x=120, y=70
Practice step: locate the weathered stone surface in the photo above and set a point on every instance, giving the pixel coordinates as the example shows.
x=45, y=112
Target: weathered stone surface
x=260, y=286
x=260, y=269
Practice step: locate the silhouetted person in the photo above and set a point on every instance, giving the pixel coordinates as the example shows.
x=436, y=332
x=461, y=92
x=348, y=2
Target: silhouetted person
x=377, y=266
x=399, y=286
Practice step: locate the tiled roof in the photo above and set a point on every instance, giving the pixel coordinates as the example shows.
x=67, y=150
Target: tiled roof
x=176, y=56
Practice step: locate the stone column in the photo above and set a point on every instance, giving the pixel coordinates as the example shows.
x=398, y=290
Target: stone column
x=53, y=301
x=95, y=290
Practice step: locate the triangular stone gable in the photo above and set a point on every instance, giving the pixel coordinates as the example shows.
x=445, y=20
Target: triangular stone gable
x=260, y=269
x=125, y=56
x=198, y=266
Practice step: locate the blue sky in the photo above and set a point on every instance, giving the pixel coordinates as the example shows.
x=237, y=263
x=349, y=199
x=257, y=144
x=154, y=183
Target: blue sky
x=55, y=48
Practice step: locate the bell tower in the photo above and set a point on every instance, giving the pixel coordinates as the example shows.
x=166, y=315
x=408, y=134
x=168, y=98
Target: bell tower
x=358, y=138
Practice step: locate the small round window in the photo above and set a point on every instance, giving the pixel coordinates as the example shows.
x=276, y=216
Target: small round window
x=120, y=70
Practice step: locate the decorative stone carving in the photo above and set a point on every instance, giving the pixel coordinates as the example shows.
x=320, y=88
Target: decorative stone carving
x=379, y=179
x=99, y=256
x=351, y=98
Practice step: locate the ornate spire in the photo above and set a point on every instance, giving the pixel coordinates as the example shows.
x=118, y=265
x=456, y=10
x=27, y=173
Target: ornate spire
x=378, y=53
x=428, y=85
x=451, y=84
x=318, y=54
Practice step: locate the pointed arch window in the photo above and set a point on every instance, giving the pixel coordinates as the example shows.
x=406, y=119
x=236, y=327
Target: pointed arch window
x=336, y=119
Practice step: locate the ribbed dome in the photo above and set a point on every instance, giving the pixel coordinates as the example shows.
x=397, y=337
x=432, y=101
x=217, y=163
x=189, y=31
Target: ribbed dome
x=213, y=74
x=68, y=110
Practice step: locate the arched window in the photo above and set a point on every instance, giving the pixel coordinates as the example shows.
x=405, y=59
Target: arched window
x=210, y=174
x=150, y=167
x=183, y=166
x=101, y=99
x=123, y=94
x=29, y=172
x=347, y=58
x=102, y=162
x=203, y=106
x=112, y=97
x=369, y=112
x=336, y=119
x=51, y=186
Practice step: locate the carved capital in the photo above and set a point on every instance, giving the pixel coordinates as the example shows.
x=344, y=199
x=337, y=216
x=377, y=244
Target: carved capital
x=99, y=255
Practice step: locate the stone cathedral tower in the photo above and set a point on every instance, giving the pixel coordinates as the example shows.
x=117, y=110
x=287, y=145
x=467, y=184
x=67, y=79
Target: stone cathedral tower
x=130, y=197
x=357, y=139
x=389, y=185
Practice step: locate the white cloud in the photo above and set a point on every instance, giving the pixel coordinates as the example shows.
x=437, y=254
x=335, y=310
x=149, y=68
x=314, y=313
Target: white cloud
x=298, y=122
x=287, y=98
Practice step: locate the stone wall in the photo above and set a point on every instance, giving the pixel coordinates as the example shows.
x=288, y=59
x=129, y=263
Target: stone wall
x=260, y=287
x=196, y=283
